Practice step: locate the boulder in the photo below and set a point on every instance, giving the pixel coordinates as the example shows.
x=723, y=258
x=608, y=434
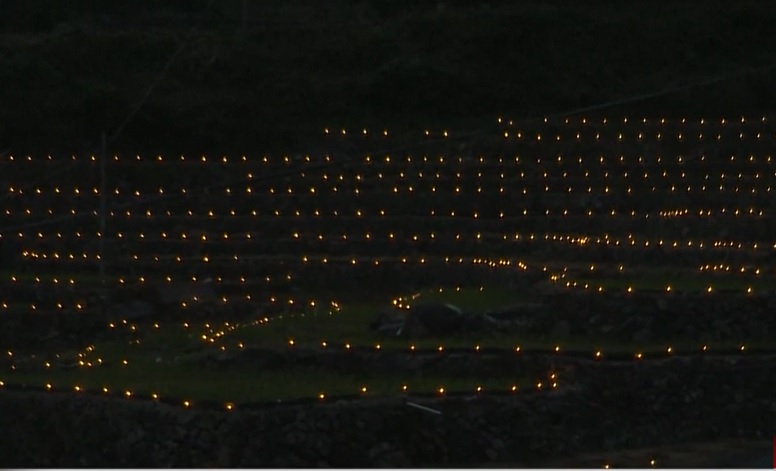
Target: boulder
x=390, y=321
x=436, y=318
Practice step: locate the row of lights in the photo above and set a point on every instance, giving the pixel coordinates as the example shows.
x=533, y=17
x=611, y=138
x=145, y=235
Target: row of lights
x=596, y=354
x=629, y=289
x=242, y=279
x=621, y=136
x=498, y=161
x=215, y=335
x=661, y=121
x=492, y=263
x=680, y=179
x=708, y=267
x=628, y=239
x=362, y=391
x=304, y=259
x=169, y=279
x=79, y=306
x=358, y=213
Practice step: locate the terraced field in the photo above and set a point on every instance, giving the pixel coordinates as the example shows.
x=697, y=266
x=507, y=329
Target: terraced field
x=252, y=271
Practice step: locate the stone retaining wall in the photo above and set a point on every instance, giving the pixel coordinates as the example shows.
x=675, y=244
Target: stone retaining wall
x=648, y=317
x=610, y=406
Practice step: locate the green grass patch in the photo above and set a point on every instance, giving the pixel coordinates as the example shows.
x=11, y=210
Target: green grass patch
x=246, y=385
x=683, y=282
x=351, y=322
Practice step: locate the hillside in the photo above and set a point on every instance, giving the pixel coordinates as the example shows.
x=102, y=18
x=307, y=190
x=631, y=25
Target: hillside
x=224, y=78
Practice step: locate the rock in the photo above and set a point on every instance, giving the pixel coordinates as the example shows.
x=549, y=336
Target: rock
x=390, y=321
x=438, y=318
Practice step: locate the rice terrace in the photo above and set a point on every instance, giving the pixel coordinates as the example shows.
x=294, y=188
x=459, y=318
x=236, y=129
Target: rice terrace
x=533, y=289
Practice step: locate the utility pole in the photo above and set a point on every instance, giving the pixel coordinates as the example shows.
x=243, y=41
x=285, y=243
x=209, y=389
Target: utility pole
x=103, y=204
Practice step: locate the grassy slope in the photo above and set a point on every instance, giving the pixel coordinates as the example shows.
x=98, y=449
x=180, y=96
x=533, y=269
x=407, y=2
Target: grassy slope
x=67, y=74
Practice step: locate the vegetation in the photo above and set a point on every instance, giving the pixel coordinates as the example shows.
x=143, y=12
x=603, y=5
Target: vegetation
x=224, y=79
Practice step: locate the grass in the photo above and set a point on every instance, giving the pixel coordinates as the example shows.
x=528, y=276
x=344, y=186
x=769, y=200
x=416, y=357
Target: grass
x=680, y=283
x=187, y=382
x=169, y=358
x=169, y=361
